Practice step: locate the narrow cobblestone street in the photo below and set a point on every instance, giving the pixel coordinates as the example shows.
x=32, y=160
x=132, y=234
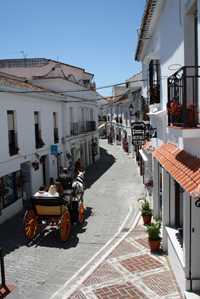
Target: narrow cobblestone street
x=43, y=266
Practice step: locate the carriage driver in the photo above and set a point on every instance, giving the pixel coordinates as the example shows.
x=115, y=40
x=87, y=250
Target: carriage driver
x=65, y=180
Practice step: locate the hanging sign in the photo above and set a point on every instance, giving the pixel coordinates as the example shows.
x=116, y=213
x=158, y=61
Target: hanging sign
x=54, y=149
x=138, y=133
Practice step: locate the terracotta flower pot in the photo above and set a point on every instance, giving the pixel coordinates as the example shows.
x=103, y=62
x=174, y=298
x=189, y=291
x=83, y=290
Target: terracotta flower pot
x=154, y=245
x=146, y=219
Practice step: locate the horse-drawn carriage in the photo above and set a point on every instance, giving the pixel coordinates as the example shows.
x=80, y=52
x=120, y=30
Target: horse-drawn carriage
x=54, y=211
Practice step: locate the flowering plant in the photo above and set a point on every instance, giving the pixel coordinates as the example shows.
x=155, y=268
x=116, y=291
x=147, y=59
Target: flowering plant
x=58, y=154
x=149, y=183
x=42, y=159
x=3, y=189
x=22, y=181
x=39, y=143
x=175, y=108
x=13, y=150
x=192, y=107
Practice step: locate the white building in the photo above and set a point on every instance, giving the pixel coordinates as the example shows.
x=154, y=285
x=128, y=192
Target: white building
x=168, y=47
x=118, y=115
x=45, y=113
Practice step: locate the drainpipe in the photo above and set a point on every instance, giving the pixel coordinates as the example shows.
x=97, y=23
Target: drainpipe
x=63, y=133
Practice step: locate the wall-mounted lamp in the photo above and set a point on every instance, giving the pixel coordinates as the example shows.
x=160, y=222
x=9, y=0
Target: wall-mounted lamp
x=150, y=132
x=37, y=156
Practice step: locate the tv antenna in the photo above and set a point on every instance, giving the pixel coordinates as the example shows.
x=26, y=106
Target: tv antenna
x=22, y=53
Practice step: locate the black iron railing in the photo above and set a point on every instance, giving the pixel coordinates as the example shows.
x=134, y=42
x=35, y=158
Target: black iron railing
x=74, y=129
x=56, y=137
x=87, y=126
x=182, y=103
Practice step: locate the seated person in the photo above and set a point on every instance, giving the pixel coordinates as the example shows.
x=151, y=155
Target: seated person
x=52, y=191
x=42, y=192
x=59, y=189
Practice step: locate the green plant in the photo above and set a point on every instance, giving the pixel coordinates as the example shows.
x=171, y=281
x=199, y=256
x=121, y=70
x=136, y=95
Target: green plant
x=69, y=156
x=153, y=230
x=145, y=207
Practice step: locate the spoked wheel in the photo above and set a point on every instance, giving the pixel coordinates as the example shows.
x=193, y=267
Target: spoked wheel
x=65, y=226
x=81, y=213
x=30, y=224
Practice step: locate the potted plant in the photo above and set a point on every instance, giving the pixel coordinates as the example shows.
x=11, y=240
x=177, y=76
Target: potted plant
x=42, y=159
x=153, y=231
x=58, y=154
x=39, y=143
x=34, y=164
x=146, y=210
x=3, y=189
x=192, y=114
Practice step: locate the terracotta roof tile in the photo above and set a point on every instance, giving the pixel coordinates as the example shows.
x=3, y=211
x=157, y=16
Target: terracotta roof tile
x=181, y=165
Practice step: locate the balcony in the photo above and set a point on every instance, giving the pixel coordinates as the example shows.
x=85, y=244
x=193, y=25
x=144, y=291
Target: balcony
x=56, y=138
x=13, y=147
x=183, y=98
x=87, y=126
x=74, y=129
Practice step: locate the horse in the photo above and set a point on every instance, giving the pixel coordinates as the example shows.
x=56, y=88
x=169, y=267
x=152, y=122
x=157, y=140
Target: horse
x=78, y=184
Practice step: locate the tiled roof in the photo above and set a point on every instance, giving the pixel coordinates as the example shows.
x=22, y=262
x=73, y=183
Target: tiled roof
x=182, y=166
x=9, y=81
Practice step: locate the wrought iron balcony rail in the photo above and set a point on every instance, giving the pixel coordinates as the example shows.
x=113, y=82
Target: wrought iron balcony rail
x=56, y=137
x=182, y=103
x=74, y=128
x=87, y=126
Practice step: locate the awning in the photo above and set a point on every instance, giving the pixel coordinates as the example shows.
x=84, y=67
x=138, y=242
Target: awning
x=144, y=158
x=152, y=56
x=181, y=165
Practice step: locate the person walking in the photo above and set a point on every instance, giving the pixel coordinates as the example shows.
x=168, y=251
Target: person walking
x=71, y=170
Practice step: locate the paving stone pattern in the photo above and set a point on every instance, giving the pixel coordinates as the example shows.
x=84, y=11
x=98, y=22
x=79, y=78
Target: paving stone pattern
x=131, y=271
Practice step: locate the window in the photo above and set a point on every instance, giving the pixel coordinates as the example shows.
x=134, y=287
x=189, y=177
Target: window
x=12, y=135
x=55, y=128
x=179, y=209
x=38, y=139
x=14, y=193
x=154, y=82
x=86, y=82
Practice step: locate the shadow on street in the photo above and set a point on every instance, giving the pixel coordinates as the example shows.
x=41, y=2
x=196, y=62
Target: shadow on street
x=96, y=170
x=12, y=232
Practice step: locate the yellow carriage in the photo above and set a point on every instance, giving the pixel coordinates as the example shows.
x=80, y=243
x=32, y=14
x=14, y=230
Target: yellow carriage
x=54, y=211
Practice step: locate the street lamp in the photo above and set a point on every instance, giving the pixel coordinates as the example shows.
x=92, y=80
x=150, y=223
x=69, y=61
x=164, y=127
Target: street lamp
x=130, y=108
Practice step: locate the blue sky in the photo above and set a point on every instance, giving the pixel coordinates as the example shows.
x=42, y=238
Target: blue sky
x=98, y=36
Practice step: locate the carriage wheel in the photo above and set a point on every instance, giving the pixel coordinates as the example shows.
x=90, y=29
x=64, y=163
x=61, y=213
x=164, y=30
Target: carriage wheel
x=30, y=224
x=81, y=213
x=65, y=226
